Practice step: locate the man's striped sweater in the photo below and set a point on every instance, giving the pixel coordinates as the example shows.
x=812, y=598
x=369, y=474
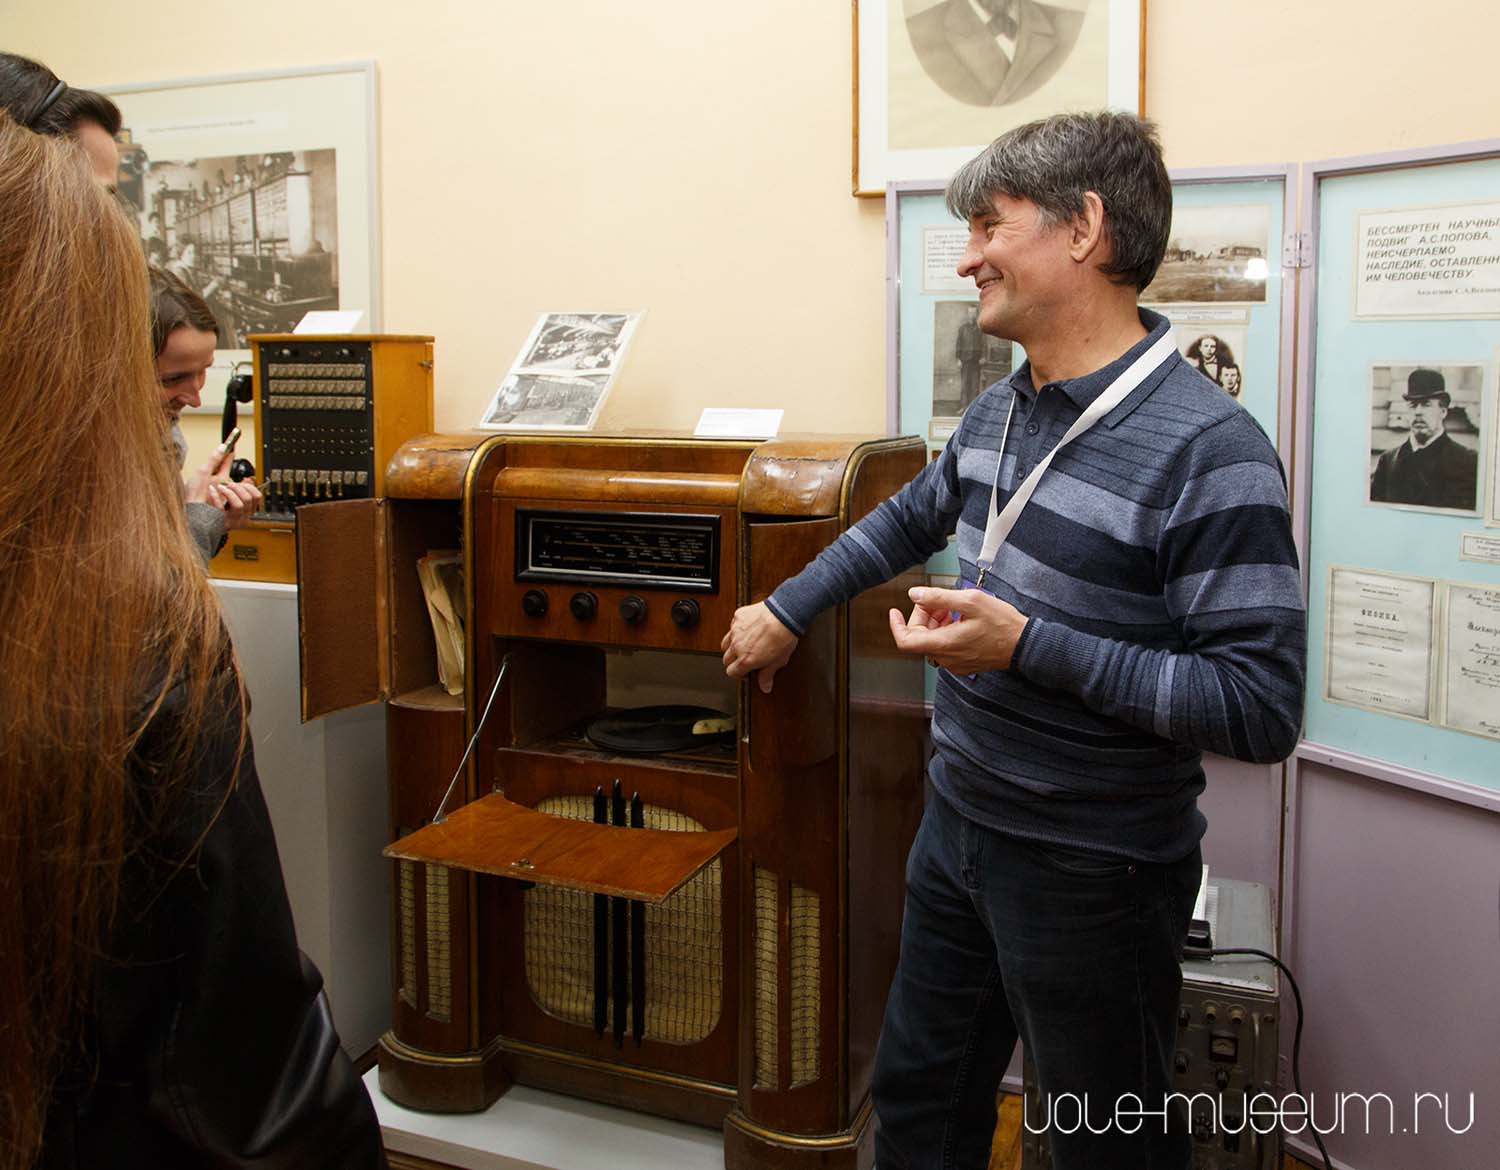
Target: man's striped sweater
x=1156, y=566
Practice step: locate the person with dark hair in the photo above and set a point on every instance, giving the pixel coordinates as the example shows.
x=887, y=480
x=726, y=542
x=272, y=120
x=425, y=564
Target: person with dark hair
x=157, y=1011
x=1132, y=599
x=1210, y=357
x=1229, y=379
x=38, y=99
x=1430, y=469
x=183, y=336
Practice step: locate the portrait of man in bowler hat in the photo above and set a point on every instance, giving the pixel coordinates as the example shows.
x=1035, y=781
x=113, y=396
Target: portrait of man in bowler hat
x=1430, y=468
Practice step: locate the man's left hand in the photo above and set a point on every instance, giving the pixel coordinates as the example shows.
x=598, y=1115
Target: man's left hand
x=983, y=635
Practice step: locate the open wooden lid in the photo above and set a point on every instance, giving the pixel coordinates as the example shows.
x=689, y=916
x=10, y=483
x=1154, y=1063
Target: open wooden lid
x=497, y=836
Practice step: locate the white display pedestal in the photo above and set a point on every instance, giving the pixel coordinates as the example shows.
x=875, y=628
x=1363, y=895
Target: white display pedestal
x=325, y=786
x=528, y=1129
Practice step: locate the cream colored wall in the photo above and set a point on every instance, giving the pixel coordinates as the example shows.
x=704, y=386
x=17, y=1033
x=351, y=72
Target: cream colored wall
x=691, y=158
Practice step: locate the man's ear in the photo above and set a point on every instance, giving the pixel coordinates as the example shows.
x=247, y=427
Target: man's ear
x=1086, y=237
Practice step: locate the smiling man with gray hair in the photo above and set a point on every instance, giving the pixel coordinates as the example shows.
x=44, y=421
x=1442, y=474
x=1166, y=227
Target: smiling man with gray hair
x=1131, y=600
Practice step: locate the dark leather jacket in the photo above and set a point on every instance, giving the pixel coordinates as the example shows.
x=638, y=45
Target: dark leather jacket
x=209, y=1041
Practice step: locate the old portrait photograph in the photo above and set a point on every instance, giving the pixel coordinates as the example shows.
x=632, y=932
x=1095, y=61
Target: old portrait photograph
x=953, y=62
x=1215, y=351
x=257, y=236
x=1424, y=443
x=1214, y=255
x=577, y=342
x=965, y=361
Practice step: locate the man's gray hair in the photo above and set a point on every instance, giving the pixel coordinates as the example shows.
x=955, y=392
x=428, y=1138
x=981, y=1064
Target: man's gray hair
x=1052, y=162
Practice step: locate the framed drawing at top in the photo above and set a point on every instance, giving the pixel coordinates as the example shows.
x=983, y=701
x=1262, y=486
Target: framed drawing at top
x=937, y=80
x=258, y=190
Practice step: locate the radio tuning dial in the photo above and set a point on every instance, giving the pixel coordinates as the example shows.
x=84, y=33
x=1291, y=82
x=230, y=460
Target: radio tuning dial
x=534, y=602
x=685, y=613
x=633, y=609
x=584, y=606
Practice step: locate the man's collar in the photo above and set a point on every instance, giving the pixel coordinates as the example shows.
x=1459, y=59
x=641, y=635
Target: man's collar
x=1082, y=391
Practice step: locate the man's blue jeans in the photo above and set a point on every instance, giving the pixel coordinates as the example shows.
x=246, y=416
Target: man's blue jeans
x=1077, y=954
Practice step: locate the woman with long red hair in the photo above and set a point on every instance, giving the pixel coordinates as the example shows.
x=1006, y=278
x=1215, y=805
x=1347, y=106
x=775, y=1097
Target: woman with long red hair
x=156, y=1010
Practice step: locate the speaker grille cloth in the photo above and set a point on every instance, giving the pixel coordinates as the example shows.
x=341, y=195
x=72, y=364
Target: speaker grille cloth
x=805, y=968
x=407, y=871
x=766, y=965
x=684, y=944
x=439, y=969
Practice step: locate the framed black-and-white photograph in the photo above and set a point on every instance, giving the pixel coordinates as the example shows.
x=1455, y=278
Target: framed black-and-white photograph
x=565, y=369
x=964, y=360
x=1215, y=351
x=257, y=236
x=1214, y=255
x=259, y=190
x=937, y=80
x=1425, y=426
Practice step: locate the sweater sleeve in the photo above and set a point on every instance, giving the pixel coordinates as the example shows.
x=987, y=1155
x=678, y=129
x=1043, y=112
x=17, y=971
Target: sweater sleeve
x=900, y=532
x=1234, y=684
x=208, y=528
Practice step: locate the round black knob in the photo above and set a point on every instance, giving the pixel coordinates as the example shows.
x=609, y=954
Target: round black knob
x=241, y=470
x=584, y=606
x=1180, y=1062
x=633, y=609
x=534, y=602
x=685, y=613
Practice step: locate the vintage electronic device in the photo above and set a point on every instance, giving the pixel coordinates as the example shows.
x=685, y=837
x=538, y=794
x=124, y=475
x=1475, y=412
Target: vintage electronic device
x=706, y=934
x=330, y=411
x=1228, y=1045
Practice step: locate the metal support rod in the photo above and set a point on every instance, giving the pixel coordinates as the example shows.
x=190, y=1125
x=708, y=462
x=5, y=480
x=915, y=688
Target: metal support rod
x=442, y=815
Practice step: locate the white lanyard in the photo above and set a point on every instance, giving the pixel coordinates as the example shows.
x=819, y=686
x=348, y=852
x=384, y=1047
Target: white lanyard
x=1000, y=524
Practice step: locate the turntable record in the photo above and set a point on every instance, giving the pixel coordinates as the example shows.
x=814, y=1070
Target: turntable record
x=649, y=730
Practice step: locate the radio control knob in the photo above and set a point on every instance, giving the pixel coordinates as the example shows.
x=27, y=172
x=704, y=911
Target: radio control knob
x=584, y=606
x=633, y=609
x=685, y=613
x=534, y=602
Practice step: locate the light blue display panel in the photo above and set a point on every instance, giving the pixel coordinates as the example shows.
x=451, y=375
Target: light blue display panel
x=925, y=363
x=1255, y=323
x=1345, y=528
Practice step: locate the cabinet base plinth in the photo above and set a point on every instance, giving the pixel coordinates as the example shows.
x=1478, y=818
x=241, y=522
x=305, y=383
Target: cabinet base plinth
x=438, y=1083
x=748, y=1146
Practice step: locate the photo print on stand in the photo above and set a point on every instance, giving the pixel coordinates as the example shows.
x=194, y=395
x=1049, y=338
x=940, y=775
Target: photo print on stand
x=566, y=368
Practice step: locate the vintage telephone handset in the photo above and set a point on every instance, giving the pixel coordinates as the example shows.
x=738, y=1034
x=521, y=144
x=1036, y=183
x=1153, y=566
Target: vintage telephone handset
x=239, y=388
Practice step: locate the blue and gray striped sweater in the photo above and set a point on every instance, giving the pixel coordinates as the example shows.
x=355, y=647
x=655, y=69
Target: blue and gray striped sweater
x=1156, y=565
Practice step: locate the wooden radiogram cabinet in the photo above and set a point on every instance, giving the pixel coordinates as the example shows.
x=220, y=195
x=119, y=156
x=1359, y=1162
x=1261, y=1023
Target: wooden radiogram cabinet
x=719, y=948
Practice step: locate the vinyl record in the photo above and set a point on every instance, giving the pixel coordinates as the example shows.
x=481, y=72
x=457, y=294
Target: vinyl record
x=648, y=730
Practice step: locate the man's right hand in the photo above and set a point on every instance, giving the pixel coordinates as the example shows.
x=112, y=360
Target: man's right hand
x=757, y=641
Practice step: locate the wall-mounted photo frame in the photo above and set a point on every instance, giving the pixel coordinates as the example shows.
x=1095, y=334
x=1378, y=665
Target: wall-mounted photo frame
x=937, y=80
x=258, y=189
